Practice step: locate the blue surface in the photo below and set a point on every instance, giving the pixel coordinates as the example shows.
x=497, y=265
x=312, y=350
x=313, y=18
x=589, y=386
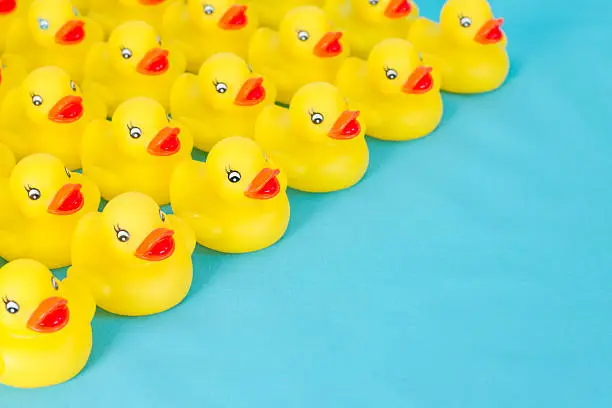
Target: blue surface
x=469, y=269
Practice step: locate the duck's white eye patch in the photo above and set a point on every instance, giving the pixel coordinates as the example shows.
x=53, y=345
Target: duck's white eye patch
x=303, y=35
x=373, y=2
x=122, y=235
x=73, y=86
x=33, y=193
x=233, y=176
x=43, y=24
x=221, y=87
x=126, y=53
x=135, y=132
x=11, y=306
x=465, y=22
x=391, y=73
x=37, y=100
x=316, y=118
x=162, y=215
x=54, y=283
x=209, y=9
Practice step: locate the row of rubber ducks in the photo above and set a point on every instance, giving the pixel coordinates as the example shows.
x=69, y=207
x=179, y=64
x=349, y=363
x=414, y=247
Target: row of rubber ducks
x=133, y=259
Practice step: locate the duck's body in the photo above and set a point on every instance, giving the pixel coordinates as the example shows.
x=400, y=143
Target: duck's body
x=271, y=12
x=223, y=100
x=365, y=24
x=132, y=64
x=12, y=72
x=330, y=156
x=112, y=13
x=48, y=113
x=10, y=11
x=467, y=47
x=191, y=29
x=241, y=206
x=401, y=103
x=304, y=50
x=137, y=151
x=135, y=259
x=46, y=335
x=7, y=160
x=54, y=34
x=41, y=203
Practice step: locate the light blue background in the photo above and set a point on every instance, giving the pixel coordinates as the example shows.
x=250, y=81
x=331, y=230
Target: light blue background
x=468, y=269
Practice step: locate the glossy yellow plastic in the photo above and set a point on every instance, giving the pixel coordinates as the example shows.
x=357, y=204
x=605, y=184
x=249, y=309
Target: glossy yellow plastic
x=82, y=6
x=366, y=23
x=10, y=11
x=398, y=96
x=133, y=62
x=112, y=13
x=41, y=203
x=236, y=201
x=54, y=33
x=467, y=47
x=48, y=113
x=12, y=72
x=137, y=151
x=45, y=326
x=317, y=141
x=223, y=100
x=305, y=49
x=271, y=12
x=202, y=29
x=7, y=160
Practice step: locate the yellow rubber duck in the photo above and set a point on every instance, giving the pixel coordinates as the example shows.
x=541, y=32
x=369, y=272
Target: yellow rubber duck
x=365, y=23
x=317, y=141
x=132, y=63
x=82, y=6
x=10, y=11
x=112, y=13
x=54, y=33
x=135, y=259
x=304, y=50
x=45, y=326
x=41, y=203
x=191, y=26
x=137, y=151
x=241, y=203
x=223, y=100
x=468, y=47
x=271, y=12
x=12, y=72
x=48, y=113
x=7, y=161
x=397, y=94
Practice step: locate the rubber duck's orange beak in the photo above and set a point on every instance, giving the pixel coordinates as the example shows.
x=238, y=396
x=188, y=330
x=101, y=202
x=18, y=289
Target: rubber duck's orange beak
x=419, y=82
x=165, y=143
x=490, y=32
x=150, y=2
x=71, y=33
x=234, y=18
x=398, y=9
x=157, y=246
x=50, y=316
x=346, y=126
x=155, y=62
x=265, y=185
x=251, y=93
x=329, y=45
x=68, y=200
x=7, y=6
x=66, y=110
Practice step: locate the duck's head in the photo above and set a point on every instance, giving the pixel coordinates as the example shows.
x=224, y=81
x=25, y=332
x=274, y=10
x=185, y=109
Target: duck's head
x=319, y=113
x=394, y=66
x=134, y=46
x=48, y=94
x=378, y=11
x=55, y=22
x=136, y=3
x=209, y=15
x=136, y=229
x=226, y=80
x=470, y=22
x=7, y=7
x=41, y=186
x=239, y=170
x=306, y=32
x=141, y=127
x=33, y=300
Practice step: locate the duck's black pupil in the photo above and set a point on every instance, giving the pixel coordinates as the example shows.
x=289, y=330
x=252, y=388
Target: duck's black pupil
x=12, y=310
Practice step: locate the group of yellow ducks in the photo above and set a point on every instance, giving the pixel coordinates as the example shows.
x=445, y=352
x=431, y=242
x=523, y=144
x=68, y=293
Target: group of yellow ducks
x=90, y=84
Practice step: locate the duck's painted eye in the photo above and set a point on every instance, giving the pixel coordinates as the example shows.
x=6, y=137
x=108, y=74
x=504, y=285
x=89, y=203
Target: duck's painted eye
x=33, y=193
x=67, y=172
x=159, y=40
x=221, y=87
x=391, y=73
x=465, y=22
x=126, y=53
x=135, y=132
x=37, y=100
x=43, y=24
x=54, y=283
x=169, y=116
x=303, y=35
x=316, y=118
x=233, y=176
x=122, y=235
x=73, y=86
x=373, y=2
x=209, y=9
x=75, y=11
x=11, y=306
x=162, y=215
